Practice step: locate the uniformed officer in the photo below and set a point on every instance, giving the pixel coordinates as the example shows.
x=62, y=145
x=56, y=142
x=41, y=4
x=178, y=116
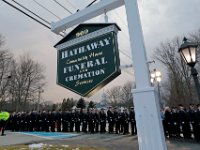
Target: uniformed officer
x=58, y=120
x=65, y=121
x=72, y=120
x=91, y=120
x=198, y=123
x=184, y=122
x=53, y=120
x=102, y=117
x=110, y=118
x=84, y=120
x=77, y=119
x=168, y=122
x=96, y=120
x=175, y=123
x=125, y=121
x=133, y=121
x=193, y=119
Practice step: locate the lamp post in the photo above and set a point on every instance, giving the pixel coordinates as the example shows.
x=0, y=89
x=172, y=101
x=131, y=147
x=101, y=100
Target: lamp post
x=156, y=78
x=188, y=52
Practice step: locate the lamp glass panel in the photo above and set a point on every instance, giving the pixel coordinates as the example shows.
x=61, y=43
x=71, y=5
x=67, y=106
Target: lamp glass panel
x=158, y=73
x=186, y=55
x=153, y=75
x=193, y=54
x=158, y=79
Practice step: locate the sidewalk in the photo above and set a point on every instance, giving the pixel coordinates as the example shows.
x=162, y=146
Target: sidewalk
x=15, y=139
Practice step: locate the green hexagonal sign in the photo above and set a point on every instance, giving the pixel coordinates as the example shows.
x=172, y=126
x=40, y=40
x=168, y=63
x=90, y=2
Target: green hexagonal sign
x=88, y=58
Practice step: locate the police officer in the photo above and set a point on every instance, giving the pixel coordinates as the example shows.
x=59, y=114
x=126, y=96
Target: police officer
x=184, y=122
x=198, y=123
x=3, y=121
x=116, y=121
x=168, y=122
x=72, y=120
x=77, y=119
x=96, y=120
x=110, y=118
x=91, y=120
x=58, y=120
x=175, y=123
x=53, y=121
x=102, y=117
x=65, y=121
x=133, y=121
x=84, y=120
x=125, y=121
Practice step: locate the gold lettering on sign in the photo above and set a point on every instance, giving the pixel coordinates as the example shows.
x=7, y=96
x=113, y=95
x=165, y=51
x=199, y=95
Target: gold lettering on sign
x=81, y=33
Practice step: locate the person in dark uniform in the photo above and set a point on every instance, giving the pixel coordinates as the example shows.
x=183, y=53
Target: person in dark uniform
x=193, y=119
x=168, y=122
x=53, y=121
x=77, y=119
x=102, y=117
x=133, y=121
x=12, y=121
x=58, y=120
x=116, y=120
x=110, y=118
x=198, y=123
x=65, y=121
x=175, y=123
x=91, y=114
x=125, y=121
x=26, y=121
x=184, y=122
x=48, y=121
x=84, y=120
x=32, y=121
x=72, y=119
x=96, y=120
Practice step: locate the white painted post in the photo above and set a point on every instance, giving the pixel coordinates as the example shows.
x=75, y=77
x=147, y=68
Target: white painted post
x=148, y=117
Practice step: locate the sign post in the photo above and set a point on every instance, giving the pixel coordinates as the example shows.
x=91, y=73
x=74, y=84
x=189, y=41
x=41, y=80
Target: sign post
x=149, y=127
x=148, y=117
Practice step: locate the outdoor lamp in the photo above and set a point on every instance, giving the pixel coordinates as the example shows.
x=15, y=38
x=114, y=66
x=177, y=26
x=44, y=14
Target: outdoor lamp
x=188, y=51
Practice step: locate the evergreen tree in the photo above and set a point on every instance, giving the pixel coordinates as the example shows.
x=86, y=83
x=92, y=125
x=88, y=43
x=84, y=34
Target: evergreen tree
x=67, y=104
x=91, y=104
x=81, y=103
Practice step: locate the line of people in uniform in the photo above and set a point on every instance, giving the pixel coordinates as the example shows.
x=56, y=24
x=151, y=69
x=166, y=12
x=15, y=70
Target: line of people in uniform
x=77, y=120
x=181, y=122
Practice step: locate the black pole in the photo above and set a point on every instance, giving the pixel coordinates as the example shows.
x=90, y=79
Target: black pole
x=194, y=73
x=159, y=95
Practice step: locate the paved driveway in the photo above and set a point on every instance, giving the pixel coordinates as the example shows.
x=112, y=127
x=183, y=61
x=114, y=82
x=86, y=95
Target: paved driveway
x=107, y=141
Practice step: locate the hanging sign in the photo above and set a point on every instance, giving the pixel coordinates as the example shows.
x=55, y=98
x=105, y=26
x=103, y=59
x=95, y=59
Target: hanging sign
x=88, y=58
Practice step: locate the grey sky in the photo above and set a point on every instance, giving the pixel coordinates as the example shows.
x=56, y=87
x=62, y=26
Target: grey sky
x=161, y=20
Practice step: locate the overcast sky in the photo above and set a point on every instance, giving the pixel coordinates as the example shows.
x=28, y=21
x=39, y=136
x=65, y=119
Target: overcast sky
x=161, y=20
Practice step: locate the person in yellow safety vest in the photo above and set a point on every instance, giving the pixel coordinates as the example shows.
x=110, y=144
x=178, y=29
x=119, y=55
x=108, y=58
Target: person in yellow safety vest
x=4, y=116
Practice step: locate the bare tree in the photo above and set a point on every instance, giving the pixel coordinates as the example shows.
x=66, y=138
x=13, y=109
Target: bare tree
x=5, y=66
x=27, y=81
x=178, y=88
x=121, y=95
x=126, y=97
x=113, y=95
